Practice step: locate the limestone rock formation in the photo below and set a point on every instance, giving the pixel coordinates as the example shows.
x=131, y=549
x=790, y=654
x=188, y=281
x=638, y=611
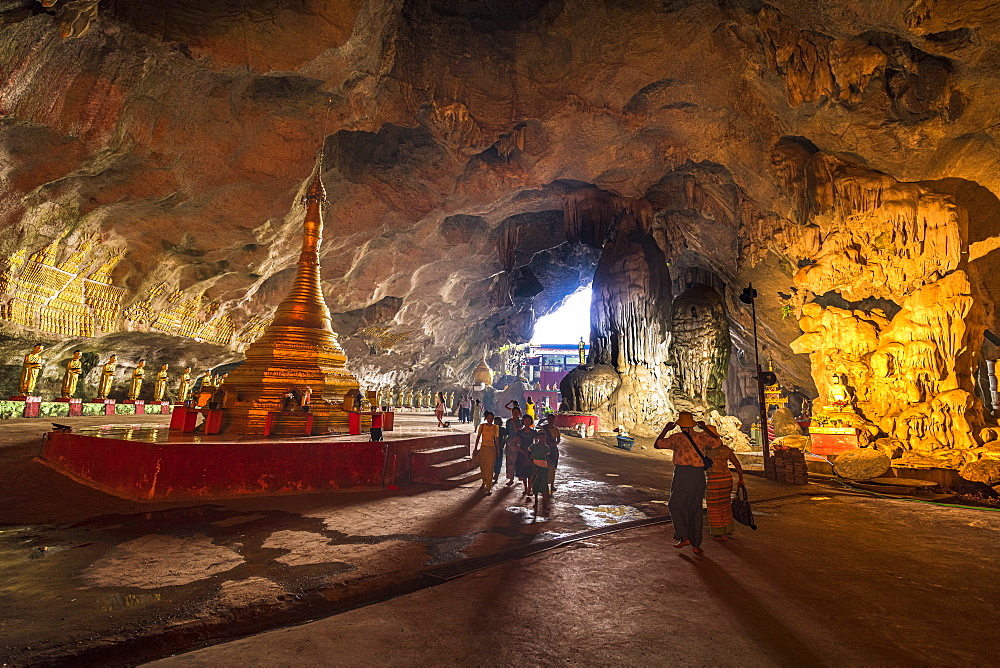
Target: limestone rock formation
x=984, y=471
x=784, y=423
x=588, y=387
x=699, y=349
x=485, y=159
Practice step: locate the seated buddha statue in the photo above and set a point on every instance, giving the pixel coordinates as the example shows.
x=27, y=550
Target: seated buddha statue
x=839, y=396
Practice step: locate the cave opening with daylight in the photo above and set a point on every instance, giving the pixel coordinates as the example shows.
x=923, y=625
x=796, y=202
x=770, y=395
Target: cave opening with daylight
x=568, y=323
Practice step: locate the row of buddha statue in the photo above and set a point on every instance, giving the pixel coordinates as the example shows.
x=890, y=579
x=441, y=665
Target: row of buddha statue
x=32, y=367
x=410, y=398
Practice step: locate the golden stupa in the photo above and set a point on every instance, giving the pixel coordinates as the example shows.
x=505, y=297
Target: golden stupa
x=298, y=350
x=482, y=375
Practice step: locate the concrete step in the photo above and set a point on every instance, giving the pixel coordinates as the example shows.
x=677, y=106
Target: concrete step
x=441, y=454
x=454, y=467
x=440, y=472
x=462, y=478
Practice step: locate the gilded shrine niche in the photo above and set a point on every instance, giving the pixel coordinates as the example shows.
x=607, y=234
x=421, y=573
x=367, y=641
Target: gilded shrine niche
x=62, y=290
x=863, y=236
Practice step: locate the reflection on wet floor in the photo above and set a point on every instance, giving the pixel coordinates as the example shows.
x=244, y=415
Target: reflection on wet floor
x=528, y=514
x=601, y=516
x=145, y=433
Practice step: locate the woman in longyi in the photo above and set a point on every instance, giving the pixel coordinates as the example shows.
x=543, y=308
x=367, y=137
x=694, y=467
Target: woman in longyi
x=719, y=490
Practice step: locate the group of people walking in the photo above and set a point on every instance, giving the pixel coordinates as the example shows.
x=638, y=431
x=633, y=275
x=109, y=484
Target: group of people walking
x=701, y=471
x=530, y=452
x=469, y=410
x=701, y=460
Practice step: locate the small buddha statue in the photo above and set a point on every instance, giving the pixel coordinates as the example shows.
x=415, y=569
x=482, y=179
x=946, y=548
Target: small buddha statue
x=107, y=377
x=29, y=371
x=206, y=390
x=160, y=388
x=71, y=377
x=184, y=386
x=135, y=387
x=838, y=395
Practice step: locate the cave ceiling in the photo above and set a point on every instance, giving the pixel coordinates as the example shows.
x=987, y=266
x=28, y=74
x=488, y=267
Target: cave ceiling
x=154, y=150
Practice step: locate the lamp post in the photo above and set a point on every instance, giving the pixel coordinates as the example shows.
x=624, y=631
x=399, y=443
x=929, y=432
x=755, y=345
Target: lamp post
x=748, y=296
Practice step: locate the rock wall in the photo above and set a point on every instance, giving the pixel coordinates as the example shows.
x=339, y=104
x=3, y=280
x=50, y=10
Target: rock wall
x=150, y=155
x=910, y=351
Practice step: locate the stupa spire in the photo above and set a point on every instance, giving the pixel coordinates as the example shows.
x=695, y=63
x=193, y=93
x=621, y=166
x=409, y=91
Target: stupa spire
x=299, y=349
x=305, y=306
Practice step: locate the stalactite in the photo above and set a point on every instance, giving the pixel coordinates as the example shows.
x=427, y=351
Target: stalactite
x=511, y=142
x=506, y=254
x=591, y=215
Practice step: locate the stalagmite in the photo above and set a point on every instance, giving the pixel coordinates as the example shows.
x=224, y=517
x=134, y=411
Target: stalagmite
x=699, y=350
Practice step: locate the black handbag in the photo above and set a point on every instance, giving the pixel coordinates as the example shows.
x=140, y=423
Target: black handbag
x=706, y=461
x=742, y=512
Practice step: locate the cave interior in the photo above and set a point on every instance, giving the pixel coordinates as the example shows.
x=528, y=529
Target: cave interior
x=485, y=159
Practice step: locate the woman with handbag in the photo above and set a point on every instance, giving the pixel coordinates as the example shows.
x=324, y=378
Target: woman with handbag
x=719, y=493
x=688, y=486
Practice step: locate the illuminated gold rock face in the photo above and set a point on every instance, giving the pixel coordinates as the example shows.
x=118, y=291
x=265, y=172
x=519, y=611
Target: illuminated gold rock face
x=298, y=348
x=869, y=236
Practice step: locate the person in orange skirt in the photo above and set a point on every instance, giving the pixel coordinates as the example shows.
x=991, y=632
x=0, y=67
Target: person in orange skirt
x=719, y=491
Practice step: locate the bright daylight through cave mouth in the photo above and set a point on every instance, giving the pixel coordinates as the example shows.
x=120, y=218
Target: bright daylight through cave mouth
x=567, y=324
x=271, y=366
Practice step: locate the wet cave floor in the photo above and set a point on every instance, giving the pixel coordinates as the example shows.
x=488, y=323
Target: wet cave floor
x=92, y=578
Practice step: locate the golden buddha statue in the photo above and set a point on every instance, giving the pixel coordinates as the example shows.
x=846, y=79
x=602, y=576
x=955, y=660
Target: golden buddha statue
x=582, y=346
x=409, y=398
x=107, y=377
x=30, y=370
x=160, y=388
x=298, y=348
x=205, y=390
x=135, y=387
x=184, y=386
x=839, y=395
x=74, y=368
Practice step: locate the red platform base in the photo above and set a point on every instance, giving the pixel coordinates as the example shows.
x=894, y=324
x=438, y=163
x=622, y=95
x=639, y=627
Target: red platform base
x=833, y=441
x=570, y=421
x=151, y=471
